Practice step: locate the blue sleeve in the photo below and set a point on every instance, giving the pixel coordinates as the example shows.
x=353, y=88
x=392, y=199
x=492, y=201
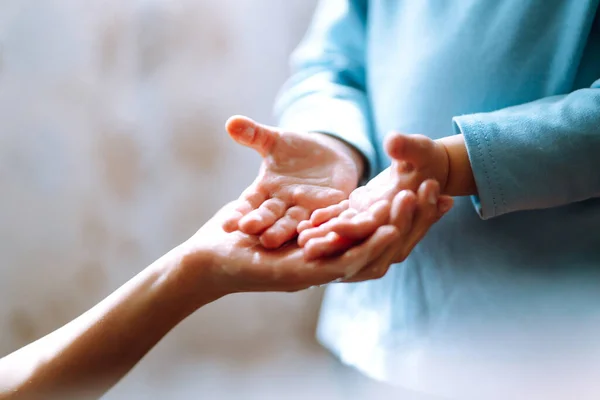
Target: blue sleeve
x=537, y=155
x=326, y=92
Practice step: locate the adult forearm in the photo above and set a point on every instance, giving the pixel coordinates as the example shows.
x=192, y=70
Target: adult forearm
x=89, y=355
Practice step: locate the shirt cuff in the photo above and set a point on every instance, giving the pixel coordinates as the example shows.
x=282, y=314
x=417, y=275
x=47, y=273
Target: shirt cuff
x=489, y=202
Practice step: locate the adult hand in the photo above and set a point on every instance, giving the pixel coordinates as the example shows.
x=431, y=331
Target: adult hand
x=412, y=214
x=237, y=262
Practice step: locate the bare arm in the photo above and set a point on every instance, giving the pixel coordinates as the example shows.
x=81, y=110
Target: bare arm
x=90, y=354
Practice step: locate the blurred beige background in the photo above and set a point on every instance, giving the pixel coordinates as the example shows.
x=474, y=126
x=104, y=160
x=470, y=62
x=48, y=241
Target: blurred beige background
x=112, y=151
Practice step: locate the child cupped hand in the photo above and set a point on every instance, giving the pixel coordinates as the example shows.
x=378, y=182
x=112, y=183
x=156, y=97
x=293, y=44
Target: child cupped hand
x=417, y=175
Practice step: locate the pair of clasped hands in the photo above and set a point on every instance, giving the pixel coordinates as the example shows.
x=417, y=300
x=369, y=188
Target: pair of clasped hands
x=303, y=222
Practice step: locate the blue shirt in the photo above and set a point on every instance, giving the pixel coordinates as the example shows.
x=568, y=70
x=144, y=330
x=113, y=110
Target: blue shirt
x=507, y=290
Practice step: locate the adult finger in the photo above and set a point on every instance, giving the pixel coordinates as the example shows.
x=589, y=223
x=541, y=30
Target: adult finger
x=334, y=269
x=402, y=217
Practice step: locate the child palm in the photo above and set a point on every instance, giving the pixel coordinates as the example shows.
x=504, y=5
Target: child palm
x=415, y=159
x=299, y=174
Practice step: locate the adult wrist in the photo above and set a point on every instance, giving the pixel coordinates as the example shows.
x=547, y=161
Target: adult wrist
x=193, y=273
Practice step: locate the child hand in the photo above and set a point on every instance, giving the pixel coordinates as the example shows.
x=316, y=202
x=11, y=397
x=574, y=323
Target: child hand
x=415, y=158
x=299, y=174
x=350, y=227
